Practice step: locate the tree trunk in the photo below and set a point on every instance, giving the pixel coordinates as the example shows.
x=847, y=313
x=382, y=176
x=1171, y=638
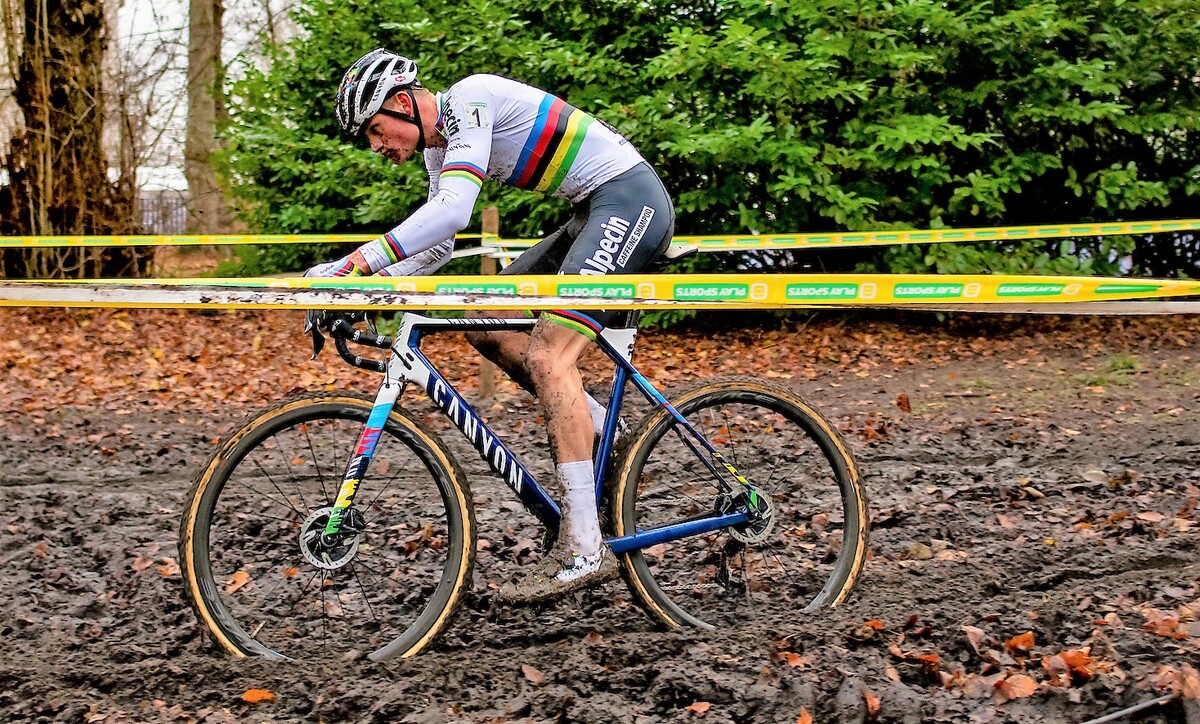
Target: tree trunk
x=57, y=167
x=208, y=212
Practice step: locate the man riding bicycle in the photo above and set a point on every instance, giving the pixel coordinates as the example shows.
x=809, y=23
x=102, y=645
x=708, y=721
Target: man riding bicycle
x=490, y=127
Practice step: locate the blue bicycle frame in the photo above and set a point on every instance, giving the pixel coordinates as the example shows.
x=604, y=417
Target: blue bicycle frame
x=406, y=363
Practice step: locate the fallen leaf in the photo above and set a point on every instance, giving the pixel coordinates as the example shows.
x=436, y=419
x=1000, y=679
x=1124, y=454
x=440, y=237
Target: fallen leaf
x=1079, y=662
x=699, y=707
x=1021, y=643
x=875, y=624
x=168, y=568
x=1057, y=669
x=903, y=403
x=930, y=662
x=593, y=638
x=236, y=581
x=1017, y=686
x=975, y=636
x=534, y=676
x=872, y=703
x=254, y=696
x=1191, y=683
x=805, y=717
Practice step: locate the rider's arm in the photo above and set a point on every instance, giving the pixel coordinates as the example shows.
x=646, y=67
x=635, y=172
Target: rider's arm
x=457, y=182
x=435, y=257
x=423, y=264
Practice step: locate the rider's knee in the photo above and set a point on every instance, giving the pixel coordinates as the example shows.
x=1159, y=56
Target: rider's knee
x=546, y=361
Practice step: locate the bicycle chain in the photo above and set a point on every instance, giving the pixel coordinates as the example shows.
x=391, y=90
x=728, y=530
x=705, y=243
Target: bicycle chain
x=692, y=587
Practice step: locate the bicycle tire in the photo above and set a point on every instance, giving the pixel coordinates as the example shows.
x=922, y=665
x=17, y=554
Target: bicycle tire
x=217, y=513
x=711, y=598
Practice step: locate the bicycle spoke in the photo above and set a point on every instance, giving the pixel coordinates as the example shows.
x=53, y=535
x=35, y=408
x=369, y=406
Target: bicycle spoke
x=317, y=463
x=750, y=569
x=275, y=485
x=363, y=590
x=287, y=463
x=733, y=454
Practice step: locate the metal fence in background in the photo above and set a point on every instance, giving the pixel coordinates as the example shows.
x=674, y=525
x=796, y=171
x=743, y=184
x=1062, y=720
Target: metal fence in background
x=164, y=212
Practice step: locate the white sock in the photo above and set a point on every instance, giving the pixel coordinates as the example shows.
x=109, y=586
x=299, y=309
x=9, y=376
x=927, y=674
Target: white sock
x=580, y=522
x=598, y=413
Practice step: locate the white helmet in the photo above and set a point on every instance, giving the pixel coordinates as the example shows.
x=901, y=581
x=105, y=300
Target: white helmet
x=370, y=81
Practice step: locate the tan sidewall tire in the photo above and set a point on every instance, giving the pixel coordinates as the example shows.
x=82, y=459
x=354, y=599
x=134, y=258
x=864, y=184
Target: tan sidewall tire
x=845, y=577
x=399, y=419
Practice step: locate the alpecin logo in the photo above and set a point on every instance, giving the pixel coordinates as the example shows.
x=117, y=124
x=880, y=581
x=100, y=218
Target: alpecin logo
x=615, y=242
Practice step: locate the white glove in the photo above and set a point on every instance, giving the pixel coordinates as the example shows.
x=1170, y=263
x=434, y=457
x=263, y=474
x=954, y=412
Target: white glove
x=336, y=268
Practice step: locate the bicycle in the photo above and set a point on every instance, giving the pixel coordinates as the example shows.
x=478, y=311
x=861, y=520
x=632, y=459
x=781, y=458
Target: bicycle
x=735, y=492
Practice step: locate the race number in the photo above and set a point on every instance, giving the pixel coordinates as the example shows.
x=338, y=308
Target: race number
x=477, y=115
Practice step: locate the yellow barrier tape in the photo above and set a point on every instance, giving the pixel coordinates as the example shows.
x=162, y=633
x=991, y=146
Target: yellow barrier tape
x=725, y=242
x=746, y=242
x=688, y=291
x=26, y=242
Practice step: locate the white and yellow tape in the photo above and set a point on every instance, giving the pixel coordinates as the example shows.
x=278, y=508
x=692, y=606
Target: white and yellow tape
x=691, y=291
x=718, y=242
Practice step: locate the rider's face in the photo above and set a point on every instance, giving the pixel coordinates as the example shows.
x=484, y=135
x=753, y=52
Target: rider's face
x=392, y=138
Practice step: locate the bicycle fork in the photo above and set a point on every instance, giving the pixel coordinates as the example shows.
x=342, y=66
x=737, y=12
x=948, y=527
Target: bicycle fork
x=341, y=520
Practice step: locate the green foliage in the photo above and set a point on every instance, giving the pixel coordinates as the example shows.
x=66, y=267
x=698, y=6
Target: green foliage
x=775, y=116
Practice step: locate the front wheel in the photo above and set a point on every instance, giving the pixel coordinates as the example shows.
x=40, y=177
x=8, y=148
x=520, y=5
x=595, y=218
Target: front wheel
x=809, y=552
x=246, y=541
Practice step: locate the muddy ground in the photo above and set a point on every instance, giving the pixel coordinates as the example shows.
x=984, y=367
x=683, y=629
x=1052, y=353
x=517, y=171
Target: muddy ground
x=1036, y=476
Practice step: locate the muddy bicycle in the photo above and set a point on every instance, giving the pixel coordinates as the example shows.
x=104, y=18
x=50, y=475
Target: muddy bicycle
x=734, y=497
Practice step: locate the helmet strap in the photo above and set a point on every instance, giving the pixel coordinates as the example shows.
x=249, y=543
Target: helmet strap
x=415, y=118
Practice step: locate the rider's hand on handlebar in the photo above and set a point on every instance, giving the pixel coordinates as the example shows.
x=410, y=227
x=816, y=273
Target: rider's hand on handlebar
x=336, y=268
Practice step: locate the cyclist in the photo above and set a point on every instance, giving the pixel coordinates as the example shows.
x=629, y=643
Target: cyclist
x=486, y=127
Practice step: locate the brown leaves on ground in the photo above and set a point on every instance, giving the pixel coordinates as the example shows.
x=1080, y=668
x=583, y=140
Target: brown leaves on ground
x=872, y=702
x=1168, y=624
x=1020, y=645
x=1009, y=670
x=199, y=360
x=1182, y=681
x=1015, y=686
x=532, y=674
x=256, y=696
x=699, y=707
x=236, y=581
x=1073, y=666
x=805, y=717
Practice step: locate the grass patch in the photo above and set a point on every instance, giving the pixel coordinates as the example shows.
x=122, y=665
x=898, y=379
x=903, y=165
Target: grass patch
x=1115, y=371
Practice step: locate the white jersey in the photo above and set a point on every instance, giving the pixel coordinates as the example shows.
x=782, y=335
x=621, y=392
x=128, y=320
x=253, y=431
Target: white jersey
x=500, y=129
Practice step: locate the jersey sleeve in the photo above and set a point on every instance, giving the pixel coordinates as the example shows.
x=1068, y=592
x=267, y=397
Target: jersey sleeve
x=467, y=113
x=421, y=264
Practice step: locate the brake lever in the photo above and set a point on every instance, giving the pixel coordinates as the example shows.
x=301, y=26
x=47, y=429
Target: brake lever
x=312, y=325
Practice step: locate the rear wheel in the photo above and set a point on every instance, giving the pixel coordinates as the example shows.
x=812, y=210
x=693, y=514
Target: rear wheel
x=805, y=553
x=250, y=564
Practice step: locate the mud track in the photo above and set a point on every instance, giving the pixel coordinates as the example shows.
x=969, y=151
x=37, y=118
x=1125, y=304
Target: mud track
x=1036, y=477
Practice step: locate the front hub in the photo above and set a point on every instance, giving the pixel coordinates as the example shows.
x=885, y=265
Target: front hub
x=323, y=555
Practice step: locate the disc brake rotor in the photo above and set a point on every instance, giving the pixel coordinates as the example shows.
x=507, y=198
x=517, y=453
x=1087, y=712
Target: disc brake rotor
x=756, y=531
x=310, y=542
